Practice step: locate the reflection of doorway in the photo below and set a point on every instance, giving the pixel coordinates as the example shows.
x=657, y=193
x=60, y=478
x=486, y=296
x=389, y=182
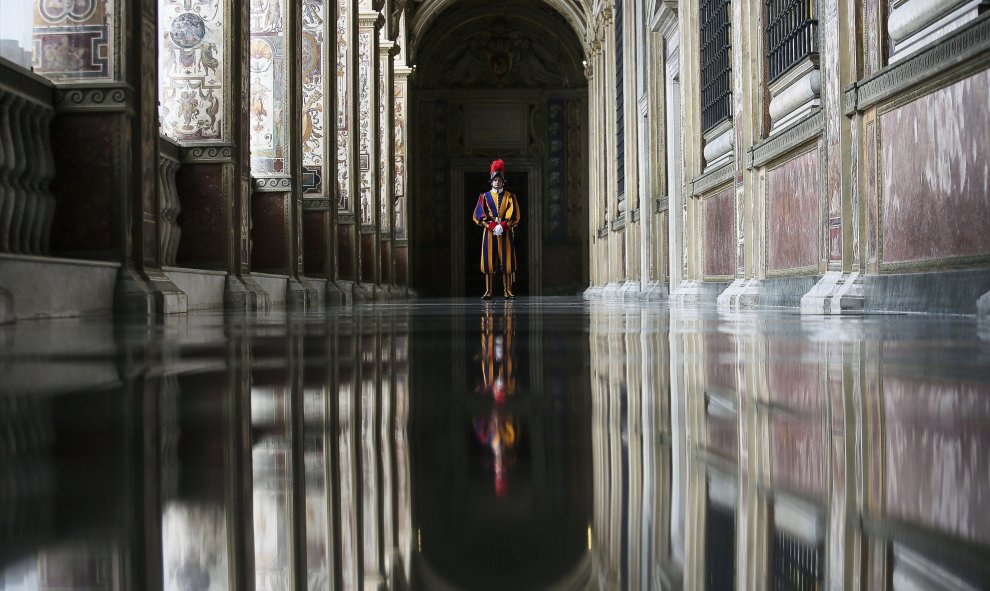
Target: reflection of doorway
x=474, y=282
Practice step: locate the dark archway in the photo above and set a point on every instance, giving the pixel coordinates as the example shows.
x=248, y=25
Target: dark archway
x=499, y=81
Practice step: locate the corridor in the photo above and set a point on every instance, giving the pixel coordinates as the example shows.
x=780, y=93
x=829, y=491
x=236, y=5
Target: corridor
x=544, y=443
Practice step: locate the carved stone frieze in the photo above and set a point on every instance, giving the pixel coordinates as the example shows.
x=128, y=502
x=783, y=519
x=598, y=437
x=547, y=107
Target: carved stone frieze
x=967, y=43
x=208, y=154
x=271, y=184
x=789, y=139
x=114, y=98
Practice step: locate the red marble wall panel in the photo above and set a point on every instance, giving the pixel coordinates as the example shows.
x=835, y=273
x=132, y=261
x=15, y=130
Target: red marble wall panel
x=793, y=214
x=796, y=453
x=268, y=232
x=935, y=184
x=367, y=258
x=385, y=258
x=315, y=227
x=83, y=186
x=345, y=252
x=793, y=375
x=937, y=447
x=720, y=247
x=202, y=219
x=401, y=258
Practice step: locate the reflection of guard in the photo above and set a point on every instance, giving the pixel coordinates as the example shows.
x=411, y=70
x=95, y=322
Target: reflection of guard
x=498, y=431
x=498, y=213
x=497, y=359
x=499, y=434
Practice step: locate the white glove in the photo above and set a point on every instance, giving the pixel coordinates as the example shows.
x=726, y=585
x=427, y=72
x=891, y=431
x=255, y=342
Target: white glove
x=498, y=230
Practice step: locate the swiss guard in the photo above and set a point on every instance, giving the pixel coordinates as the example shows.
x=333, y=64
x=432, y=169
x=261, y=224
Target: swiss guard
x=498, y=214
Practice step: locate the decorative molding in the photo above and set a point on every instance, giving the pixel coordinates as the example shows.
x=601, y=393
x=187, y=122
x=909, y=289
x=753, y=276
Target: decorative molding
x=272, y=184
x=960, y=46
x=113, y=97
x=27, y=85
x=619, y=224
x=712, y=179
x=206, y=154
x=345, y=217
x=634, y=215
x=602, y=232
x=662, y=204
x=777, y=145
x=316, y=204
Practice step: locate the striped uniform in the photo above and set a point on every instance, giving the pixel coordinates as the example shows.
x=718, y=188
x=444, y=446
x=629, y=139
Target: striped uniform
x=498, y=251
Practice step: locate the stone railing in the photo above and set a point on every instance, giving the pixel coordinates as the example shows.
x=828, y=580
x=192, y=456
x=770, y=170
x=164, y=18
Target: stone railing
x=27, y=165
x=168, y=201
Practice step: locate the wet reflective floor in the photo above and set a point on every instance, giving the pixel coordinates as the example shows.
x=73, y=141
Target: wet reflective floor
x=538, y=444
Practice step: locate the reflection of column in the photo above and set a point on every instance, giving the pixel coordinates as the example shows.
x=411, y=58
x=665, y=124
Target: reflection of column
x=369, y=393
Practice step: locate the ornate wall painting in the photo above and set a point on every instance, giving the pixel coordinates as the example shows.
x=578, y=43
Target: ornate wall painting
x=73, y=40
x=399, y=165
x=266, y=64
x=365, y=73
x=313, y=126
x=343, y=41
x=191, y=69
x=384, y=209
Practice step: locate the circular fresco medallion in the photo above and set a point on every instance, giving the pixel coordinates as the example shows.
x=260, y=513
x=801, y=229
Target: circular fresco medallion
x=188, y=30
x=261, y=55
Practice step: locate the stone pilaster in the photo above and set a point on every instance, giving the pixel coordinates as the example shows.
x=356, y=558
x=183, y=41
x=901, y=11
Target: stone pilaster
x=345, y=91
x=368, y=67
x=386, y=161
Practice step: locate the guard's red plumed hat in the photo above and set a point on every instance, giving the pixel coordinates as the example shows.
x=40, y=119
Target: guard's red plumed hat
x=497, y=169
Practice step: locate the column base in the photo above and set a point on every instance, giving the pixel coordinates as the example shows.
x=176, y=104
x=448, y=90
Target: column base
x=630, y=290
x=835, y=293
x=982, y=306
x=333, y=294
x=6, y=307
x=133, y=296
x=244, y=293
x=696, y=293
x=656, y=291
x=593, y=293
x=362, y=292
x=299, y=296
x=742, y=294
x=169, y=298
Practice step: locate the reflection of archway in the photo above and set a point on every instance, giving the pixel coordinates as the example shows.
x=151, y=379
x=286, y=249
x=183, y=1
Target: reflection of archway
x=503, y=81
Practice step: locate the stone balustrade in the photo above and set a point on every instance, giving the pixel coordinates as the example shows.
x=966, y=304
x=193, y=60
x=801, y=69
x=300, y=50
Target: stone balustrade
x=26, y=161
x=168, y=201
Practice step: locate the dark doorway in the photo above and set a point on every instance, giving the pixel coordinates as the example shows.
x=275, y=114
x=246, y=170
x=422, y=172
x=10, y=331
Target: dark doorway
x=475, y=184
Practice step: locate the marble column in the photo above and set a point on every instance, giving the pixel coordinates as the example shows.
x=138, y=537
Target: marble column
x=386, y=166
x=370, y=22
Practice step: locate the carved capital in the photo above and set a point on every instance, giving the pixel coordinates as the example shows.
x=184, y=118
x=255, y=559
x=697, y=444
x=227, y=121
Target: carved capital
x=208, y=153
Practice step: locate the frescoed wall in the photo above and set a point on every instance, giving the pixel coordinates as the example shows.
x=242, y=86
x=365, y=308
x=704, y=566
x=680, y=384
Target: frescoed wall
x=74, y=40
x=269, y=132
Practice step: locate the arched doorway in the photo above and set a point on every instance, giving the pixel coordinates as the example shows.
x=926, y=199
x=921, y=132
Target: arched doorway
x=498, y=81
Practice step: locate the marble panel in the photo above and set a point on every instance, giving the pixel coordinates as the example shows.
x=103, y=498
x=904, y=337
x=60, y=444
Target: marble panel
x=935, y=196
x=793, y=214
x=268, y=234
x=203, y=216
x=367, y=257
x=345, y=252
x=720, y=247
x=83, y=184
x=385, y=260
x=937, y=449
x=315, y=227
x=401, y=260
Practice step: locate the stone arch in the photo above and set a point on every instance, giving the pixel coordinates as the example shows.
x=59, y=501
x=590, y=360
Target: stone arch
x=575, y=12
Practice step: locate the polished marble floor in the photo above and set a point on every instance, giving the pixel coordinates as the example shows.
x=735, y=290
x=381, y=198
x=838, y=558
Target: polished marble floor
x=535, y=444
